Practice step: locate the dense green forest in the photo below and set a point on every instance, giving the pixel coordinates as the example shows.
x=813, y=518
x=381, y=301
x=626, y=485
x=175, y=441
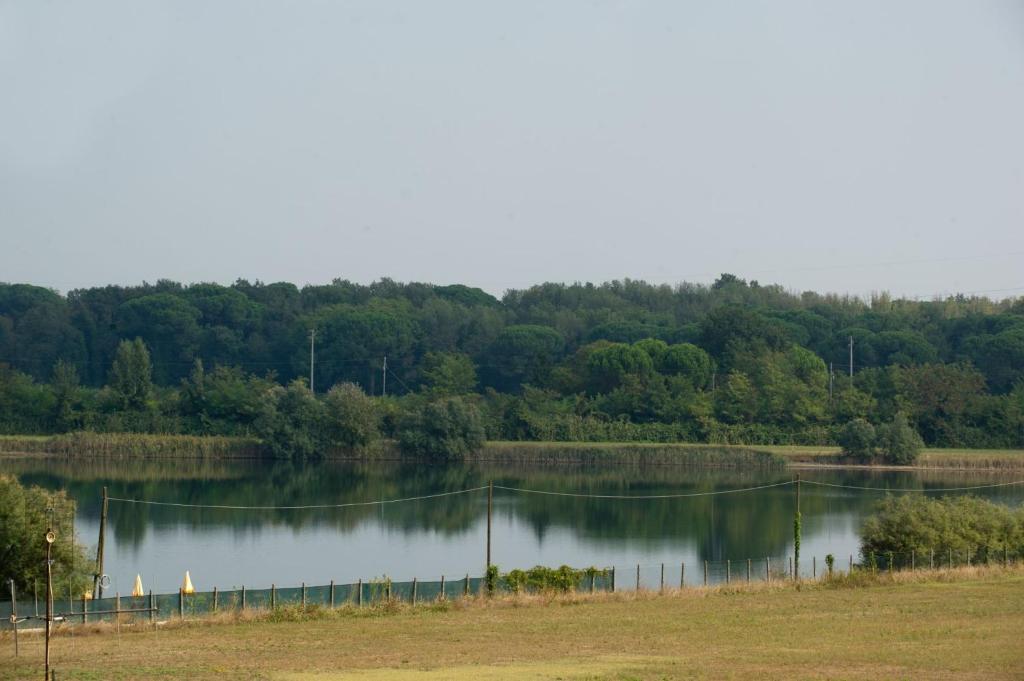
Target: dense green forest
x=731, y=362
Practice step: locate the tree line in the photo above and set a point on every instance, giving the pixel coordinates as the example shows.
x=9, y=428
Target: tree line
x=730, y=362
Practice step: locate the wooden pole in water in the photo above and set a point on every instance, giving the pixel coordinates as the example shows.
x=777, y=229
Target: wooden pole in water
x=814, y=567
x=14, y=616
x=490, y=506
x=97, y=582
x=796, y=531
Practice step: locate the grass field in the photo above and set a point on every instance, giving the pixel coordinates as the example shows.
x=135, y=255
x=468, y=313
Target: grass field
x=964, y=624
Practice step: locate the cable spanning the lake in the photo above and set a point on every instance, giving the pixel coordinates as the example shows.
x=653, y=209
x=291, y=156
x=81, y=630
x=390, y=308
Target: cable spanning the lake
x=577, y=495
x=645, y=496
x=906, y=489
x=379, y=502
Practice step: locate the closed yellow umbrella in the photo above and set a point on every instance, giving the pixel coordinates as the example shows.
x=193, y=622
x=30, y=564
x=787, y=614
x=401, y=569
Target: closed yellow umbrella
x=137, y=591
x=186, y=586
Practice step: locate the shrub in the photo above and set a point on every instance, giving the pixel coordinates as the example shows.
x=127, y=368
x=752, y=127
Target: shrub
x=857, y=438
x=539, y=578
x=23, y=523
x=351, y=420
x=914, y=523
x=447, y=428
x=897, y=442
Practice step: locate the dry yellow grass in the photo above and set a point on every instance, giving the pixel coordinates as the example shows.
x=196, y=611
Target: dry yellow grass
x=963, y=624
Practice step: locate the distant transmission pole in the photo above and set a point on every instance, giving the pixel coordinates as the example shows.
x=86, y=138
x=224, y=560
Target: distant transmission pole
x=312, y=358
x=831, y=380
x=384, y=377
x=851, y=357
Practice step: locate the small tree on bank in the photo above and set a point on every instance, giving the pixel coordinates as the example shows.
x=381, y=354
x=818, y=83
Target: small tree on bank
x=893, y=443
x=448, y=428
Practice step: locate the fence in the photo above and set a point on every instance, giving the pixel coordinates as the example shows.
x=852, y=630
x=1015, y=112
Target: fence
x=618, y=578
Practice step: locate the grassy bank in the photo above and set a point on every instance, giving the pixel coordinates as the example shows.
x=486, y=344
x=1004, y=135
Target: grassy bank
x=116, y=445
x=989, y=459
x=961, y=624
x=657, y=454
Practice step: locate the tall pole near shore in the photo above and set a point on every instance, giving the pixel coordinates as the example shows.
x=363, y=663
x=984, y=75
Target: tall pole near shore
x=97, y=581
x=490, y=508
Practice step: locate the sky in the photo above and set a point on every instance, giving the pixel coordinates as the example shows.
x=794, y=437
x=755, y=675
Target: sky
x=848, y=147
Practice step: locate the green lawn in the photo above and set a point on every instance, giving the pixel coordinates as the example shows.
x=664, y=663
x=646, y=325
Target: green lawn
x=961, y=625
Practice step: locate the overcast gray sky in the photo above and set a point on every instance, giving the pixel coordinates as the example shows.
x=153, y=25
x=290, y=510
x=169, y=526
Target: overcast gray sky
x=850, y=146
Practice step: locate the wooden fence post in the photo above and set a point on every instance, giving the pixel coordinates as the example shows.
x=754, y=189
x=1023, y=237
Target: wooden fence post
x=359, y=592
x=117, y=611
x=613, y=579
x=152, y=607
x=273, y=596
x=768, y=569
x=332, y=594
x=791, y=574
x=682, y=574
x=728, y=571
x=465, y=590
x=440, y=596
x=638, y=576
x=814, y=567
x=851, y=564
x=304, y=593
x=243, y=598
x=662, y=587
x=414, y=591
x=748, y=569
x=705, y=573
x=215, y=599
x=85, y=609
x=181, y=603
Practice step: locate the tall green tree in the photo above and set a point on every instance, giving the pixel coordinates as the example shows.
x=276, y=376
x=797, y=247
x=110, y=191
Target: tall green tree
x=131, y=376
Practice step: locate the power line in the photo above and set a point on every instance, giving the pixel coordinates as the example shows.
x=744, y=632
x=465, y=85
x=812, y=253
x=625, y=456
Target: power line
x=644, y=496
x=296, y=508
x=898, y=489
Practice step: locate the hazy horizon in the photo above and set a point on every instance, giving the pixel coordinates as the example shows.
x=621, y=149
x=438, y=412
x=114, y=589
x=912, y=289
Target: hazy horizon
x=843, y=148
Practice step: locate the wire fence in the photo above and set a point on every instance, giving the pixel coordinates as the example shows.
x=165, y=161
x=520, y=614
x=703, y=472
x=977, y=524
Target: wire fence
x=160, y=607
x=30, y=612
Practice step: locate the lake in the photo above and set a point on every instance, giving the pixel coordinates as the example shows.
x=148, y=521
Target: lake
x=446, y=535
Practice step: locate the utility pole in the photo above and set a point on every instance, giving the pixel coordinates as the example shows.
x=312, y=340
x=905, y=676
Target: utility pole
x=851, y=357
x=50, y=538
x=490, y=506
x=831, y=380
x=97, y=582
x=384, y=377
x=312, y=350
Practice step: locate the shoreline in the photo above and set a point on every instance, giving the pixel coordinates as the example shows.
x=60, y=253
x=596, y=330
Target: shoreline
x=119, y=446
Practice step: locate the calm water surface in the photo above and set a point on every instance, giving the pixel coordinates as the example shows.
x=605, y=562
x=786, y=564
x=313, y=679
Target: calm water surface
x=428, y=538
